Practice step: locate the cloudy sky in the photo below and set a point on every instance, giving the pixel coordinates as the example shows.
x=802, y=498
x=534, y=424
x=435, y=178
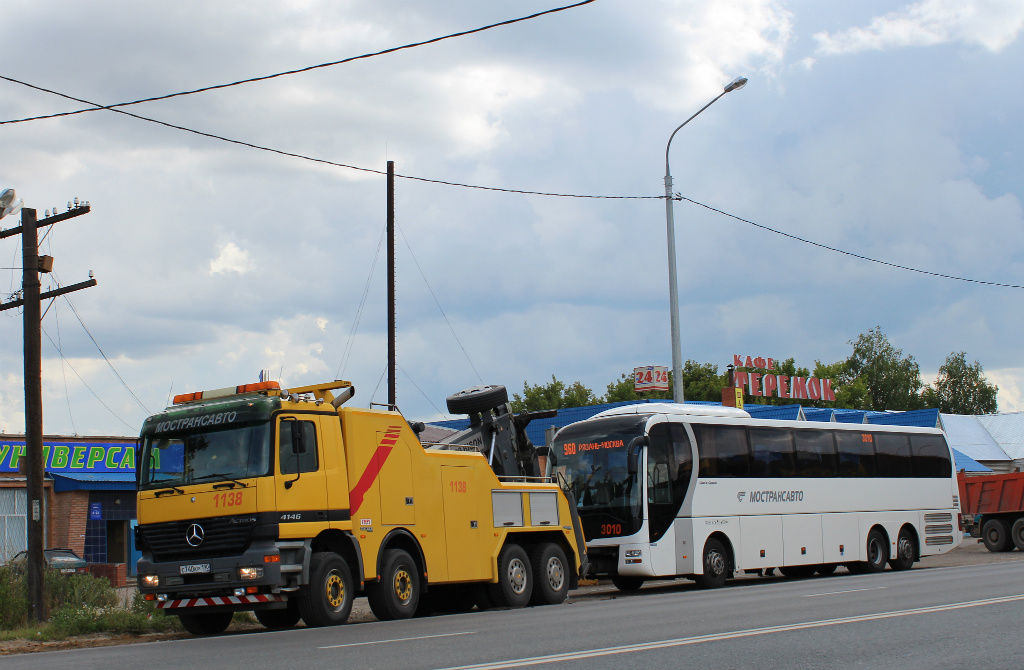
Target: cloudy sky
x=887, y=129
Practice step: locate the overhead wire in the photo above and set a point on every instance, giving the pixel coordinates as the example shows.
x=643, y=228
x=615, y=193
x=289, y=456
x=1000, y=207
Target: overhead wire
x=84, y=383
x=844, y=252
x=438, y=303
x=422, y=393
x=97, y=107
x=347, y=351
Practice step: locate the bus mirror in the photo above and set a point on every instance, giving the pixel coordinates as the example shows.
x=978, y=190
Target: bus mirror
x=633, y=453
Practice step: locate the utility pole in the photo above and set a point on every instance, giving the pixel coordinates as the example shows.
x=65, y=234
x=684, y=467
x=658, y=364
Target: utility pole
x=34, y=467
x=392, y=365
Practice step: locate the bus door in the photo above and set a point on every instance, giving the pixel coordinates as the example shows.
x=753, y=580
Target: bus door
x=669, y=465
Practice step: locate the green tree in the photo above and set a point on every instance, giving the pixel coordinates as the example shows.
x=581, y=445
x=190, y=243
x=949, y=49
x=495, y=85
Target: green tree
x=701, y=381
x=893, y=382
x=850, y=393
x=554, y=395
x=961, y=388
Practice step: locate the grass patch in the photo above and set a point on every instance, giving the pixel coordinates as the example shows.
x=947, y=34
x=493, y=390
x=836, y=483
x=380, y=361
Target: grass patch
x=78, y=604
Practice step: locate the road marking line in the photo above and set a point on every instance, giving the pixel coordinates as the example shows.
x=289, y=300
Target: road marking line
x=679, y=642
x=835, y=593
x=399, y=639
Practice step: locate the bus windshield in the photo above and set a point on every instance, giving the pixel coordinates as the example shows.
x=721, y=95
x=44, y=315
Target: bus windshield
x=191, y=457
x=592, y=458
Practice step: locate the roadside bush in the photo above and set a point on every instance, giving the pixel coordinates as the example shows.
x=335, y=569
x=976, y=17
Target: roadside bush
x=78, y=604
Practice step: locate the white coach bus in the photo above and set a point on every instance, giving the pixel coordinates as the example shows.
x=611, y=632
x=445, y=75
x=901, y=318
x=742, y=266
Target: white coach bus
x=668, y=490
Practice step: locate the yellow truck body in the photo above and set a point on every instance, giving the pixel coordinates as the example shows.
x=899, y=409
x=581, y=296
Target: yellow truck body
x=287, y=504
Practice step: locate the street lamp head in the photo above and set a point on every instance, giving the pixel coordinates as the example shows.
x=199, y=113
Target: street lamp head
x=9, y=203
x=736, y=84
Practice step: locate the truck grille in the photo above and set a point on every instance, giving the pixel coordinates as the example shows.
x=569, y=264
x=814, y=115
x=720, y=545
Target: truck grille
x=222, y=536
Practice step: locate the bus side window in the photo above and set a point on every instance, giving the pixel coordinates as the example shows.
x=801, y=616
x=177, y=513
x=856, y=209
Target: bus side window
x=291, y=464
x=815, y=453
x=930, y=456
x=856, y=454
x=893, y=452
x=772, y=452
x=723, y=451
x=683, y=460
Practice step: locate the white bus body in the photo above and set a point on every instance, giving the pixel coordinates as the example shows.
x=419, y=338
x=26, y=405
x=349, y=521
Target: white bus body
x=786, y=509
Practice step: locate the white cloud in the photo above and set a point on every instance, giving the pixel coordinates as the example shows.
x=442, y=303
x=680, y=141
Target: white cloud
x=231, y=259
x=12, y=404
x=990, y=24
x=1011, y=388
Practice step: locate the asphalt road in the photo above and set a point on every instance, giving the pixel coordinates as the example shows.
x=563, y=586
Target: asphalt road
x=939, y=615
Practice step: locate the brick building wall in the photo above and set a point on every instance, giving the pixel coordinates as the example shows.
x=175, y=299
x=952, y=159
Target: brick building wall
x=69, y=514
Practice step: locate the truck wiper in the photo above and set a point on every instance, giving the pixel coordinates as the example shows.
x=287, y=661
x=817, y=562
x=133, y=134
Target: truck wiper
x=219, y=475
x=173, y=489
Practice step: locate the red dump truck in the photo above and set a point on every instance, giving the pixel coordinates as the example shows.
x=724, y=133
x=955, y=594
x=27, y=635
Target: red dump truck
x=992, y=508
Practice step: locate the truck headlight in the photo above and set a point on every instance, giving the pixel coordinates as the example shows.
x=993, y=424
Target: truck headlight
x=249, y=573
x=150, y=581
x=630, y=553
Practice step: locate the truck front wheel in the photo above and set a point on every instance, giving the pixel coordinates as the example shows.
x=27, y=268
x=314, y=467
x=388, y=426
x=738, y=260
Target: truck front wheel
x=276, y=619
x=327, y=600
x=205, y=624
x=397, y=594
x=995, y=533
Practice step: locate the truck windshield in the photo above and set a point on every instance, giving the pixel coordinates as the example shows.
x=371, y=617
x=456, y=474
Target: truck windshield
x=592, y=458
x=205, y=456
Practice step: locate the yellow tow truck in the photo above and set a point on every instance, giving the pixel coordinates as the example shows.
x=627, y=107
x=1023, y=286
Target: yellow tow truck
x=287, y=504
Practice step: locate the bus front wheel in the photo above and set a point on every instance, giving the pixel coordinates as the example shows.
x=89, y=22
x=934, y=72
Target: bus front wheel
x=627, y=584
x=716, y=565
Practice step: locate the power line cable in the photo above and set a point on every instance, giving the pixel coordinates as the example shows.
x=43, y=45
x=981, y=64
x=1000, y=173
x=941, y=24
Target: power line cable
x=95, y=395
x=323, y=161
x=438, y=303
x=116, y=373
x=422, y=393
x=846, y=253
x=359, y=311
x=64, y=374
x=250, y=80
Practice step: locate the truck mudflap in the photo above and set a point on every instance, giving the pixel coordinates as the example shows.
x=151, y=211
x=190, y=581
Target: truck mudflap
x=219, y=601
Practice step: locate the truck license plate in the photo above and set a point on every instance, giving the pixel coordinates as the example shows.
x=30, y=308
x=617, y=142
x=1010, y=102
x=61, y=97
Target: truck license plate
x=195, y=568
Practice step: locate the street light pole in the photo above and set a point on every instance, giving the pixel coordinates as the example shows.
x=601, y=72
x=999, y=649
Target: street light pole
x=673, y=287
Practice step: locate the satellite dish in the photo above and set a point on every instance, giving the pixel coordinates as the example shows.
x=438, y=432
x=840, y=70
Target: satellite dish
x=9, y=203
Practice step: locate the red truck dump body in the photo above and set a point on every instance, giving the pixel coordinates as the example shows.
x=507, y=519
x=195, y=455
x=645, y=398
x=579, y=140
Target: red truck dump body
x=992, y=508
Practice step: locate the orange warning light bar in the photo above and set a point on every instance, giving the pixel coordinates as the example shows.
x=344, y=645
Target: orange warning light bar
x=221, y=393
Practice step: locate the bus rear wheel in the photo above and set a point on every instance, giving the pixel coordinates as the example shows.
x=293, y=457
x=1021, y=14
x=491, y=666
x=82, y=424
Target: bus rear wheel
x=716, y=565
x=825, y=569
x=205, y=624
x=798, y=571
x=878, y=552
x=906, y=551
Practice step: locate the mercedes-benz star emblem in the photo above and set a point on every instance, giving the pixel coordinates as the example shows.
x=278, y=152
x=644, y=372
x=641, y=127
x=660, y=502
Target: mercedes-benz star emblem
x=194, y=535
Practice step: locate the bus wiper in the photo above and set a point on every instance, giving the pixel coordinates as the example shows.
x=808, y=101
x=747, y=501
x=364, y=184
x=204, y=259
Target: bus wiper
x=219, y=475
x=173, y=489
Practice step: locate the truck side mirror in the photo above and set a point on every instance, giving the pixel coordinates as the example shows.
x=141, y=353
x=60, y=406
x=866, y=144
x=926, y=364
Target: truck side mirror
x=633, y=453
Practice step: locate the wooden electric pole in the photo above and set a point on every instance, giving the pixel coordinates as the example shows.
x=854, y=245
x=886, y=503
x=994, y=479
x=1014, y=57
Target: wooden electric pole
x=34, y=467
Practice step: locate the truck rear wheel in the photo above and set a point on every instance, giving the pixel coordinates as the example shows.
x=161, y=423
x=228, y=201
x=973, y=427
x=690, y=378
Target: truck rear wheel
x=515, y=578
x=213, y=623
x=1017, y=533
x=327, y=600
x=550, y=574
x=995, y=533
x=276, y=619
x=396, y=594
